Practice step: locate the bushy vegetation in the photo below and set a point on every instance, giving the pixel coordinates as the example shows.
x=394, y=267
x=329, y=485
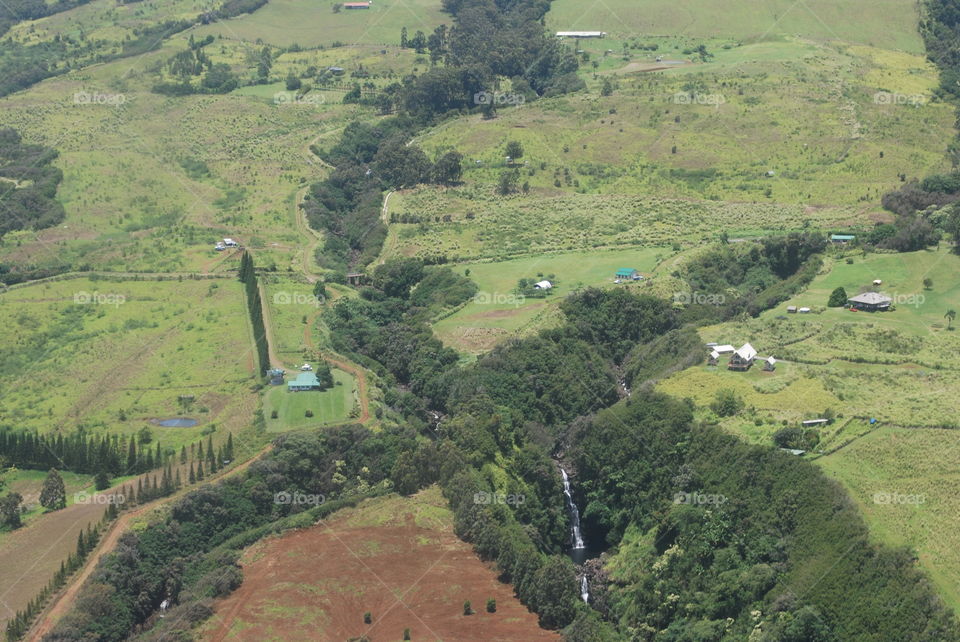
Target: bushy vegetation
x=28, y=184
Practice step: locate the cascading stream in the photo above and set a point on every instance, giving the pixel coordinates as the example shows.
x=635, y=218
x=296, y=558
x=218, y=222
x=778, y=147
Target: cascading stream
x=574, y=513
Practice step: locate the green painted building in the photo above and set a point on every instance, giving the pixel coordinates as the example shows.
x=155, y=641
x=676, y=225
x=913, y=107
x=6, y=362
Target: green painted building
x=303, y=381
x=628, y=273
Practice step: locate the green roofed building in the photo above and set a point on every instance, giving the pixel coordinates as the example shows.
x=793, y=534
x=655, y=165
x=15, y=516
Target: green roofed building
x=304, y=381
x=842, y=238
x=628, y=273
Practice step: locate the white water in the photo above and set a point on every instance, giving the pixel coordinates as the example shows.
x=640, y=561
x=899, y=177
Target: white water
x=584, y=590
x=574, y=513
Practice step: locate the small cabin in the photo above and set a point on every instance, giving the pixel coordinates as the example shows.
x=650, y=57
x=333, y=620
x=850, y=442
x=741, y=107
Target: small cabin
x=713, y=358
x=276, y=376
x=769, y=364
x=842, y=239
x=791, y=309
x=542, y=285
x=870, y=302
x=628, y=273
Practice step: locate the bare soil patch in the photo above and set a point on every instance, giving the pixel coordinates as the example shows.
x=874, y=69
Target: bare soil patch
x=395, y=557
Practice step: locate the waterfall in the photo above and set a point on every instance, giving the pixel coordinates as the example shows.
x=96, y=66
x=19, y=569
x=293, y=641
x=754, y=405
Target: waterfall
x=574, y=513
x=584, y=590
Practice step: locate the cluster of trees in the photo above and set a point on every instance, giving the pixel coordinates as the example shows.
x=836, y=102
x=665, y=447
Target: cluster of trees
x=369, y=158
x=248, y=276
x=724, y=566
x=193, y=62
x=16, y=11
x=81, y=453
x=28, y=184
x=925, y=211
x=729, y=280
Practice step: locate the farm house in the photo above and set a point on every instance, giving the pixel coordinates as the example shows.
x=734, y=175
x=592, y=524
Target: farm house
x=304, y=381
x=870, y=302
x=842, y=239
x=743, y=358
x=628, y=273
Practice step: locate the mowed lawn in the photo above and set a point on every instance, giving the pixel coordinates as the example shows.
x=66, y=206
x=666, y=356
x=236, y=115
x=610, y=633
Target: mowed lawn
x=329, y=406
x=310, y=24
x=886, y=23
x=111, y=356
x=497, y=312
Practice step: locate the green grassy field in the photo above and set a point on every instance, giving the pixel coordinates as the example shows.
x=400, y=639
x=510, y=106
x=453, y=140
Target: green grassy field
x=889, y=23
x=905, y=481
x=112, y=356
x=496, y=312
x=311, y=24
x=29, y=483
x=329, y=406
x=292, y=305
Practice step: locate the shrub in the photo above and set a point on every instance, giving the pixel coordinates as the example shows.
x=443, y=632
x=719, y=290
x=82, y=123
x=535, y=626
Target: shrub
x=491, y=605
x=367, y=618
x=467, y=610
x=838, y=298
x=308, y=413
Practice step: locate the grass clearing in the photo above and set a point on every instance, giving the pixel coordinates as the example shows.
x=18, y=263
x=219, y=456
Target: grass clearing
x=496, y=312
x=330, y=406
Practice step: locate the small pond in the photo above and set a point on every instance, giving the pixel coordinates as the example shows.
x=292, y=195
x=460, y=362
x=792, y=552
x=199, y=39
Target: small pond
x=176, y=422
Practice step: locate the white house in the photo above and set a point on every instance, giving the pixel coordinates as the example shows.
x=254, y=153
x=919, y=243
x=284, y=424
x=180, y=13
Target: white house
x=743, y=358
x=770, y=364
x=230, y=243
x=724, y=349
x=542, y=285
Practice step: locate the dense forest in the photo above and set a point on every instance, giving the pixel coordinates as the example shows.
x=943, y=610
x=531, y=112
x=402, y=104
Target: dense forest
x=28, y=184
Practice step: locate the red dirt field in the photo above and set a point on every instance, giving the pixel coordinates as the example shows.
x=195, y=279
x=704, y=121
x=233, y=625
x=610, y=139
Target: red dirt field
x=395, y=557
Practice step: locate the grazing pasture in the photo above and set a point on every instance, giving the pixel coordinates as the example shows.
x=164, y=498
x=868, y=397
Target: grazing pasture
x=891, y=24
x=905, y=482
x=312, y=24
x=112, y=356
